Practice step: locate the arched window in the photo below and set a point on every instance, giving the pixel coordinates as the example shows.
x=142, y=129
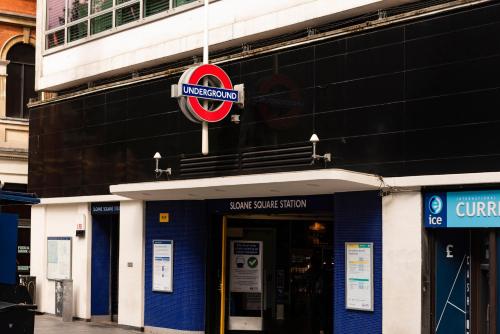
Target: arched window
x=20, y=80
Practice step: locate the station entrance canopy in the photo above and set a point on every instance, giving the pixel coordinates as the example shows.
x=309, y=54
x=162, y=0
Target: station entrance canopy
x=316, y=182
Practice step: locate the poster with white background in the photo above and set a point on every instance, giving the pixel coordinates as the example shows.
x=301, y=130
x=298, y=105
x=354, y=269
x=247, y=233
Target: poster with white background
x=359, y=275
x=58, y=258
x=163, y=264
x=246, y=266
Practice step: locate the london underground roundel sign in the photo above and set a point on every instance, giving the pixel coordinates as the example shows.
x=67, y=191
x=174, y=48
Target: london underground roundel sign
x=206, y=94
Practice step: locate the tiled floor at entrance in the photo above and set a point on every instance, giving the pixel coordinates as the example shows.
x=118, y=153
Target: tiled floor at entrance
x=47, y=324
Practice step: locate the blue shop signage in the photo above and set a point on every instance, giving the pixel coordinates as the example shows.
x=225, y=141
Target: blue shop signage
x=462, y=209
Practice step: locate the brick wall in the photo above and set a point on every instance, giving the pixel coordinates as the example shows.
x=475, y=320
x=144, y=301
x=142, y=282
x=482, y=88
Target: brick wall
x=19, y=6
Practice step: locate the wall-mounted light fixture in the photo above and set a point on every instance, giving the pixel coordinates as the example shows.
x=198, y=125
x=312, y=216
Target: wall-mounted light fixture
x=158, y=171
x=327, y=157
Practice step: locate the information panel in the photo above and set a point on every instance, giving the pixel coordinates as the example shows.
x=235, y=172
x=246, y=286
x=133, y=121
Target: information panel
x=359, y=275
x=246, y=266
x=58, y=258
x=163, y=264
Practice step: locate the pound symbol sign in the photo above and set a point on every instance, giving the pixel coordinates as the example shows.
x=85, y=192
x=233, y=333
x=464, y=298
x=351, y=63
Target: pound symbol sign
x=449, y=249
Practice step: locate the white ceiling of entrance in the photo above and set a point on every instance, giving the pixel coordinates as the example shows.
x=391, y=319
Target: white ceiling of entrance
x=316, y=182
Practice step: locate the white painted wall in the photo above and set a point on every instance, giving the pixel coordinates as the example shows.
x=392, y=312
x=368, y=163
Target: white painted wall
x=59, y=221
x=231, y=23
x=402, y=260
x=131, y=286
x=14, y=169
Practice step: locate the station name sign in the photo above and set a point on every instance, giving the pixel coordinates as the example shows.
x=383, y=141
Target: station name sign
x=462, y=209
x=210, y=93
x=267, y=204
x=105, y=208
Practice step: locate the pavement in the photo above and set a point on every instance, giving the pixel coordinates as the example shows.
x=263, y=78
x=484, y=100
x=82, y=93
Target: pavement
x=49, y=324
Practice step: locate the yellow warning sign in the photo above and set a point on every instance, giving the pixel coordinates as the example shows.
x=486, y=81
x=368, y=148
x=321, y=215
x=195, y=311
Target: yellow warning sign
x=164, y=217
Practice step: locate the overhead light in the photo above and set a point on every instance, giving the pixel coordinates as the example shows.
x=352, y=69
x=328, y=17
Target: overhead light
x=158, y=171
x=317, y=227
x=327, y=157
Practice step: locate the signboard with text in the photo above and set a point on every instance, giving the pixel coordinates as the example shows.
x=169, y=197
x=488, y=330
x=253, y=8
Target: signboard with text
x=462, y=209
x=246, y=266
x=359, y=276
x=58, y=258
x=163, y=265
x=105, y=208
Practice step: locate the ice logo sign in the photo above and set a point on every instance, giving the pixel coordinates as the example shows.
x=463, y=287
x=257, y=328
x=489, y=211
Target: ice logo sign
x=435, y=205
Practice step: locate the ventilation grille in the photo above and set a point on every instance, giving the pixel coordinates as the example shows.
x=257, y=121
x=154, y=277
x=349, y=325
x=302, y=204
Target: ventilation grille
x=200, y=166
x=264, y=160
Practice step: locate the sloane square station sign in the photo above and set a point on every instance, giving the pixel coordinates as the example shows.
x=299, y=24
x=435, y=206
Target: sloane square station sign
x=462, y=209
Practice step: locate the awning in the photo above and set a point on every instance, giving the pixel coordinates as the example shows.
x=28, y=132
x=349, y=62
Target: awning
x=14, y=197
x=312, y=182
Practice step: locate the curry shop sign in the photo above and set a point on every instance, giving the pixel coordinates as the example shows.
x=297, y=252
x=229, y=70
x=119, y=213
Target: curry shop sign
x=206, y=94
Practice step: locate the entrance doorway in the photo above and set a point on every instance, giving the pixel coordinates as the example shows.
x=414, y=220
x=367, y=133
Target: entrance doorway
x=465, y=297
x=278, y=275
x=105, y=255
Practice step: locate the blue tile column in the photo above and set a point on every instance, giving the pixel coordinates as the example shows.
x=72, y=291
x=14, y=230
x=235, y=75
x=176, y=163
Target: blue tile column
x=358, y=218
x=184, y=308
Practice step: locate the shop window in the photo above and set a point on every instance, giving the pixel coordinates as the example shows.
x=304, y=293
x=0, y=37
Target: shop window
x=20, y=80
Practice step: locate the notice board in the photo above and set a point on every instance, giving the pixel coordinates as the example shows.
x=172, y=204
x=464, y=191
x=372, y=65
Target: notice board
x=58, y=258
x=163, y=265
x=359, y=276
x=246, y=266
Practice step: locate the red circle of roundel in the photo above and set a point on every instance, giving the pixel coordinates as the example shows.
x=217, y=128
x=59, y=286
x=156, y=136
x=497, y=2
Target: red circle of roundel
x=225, y=107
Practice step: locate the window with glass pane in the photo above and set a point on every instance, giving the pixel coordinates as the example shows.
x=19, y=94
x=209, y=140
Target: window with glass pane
x=101, y=23
x=77, y=9
x=77, y=31
x=119, y=2
x=20, y=80
x=55, y=39
x=97, y=6
x=182, y=2
x=127, y=14
x=56, y=10
x=152, y=7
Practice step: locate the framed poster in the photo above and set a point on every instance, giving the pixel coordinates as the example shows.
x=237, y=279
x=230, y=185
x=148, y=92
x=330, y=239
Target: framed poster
x=58, y=258
x=359, y=276
x=163, y=265
x=246, y=266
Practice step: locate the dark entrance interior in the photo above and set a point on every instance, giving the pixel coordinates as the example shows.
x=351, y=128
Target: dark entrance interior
x=105, y=255
x=296, y=273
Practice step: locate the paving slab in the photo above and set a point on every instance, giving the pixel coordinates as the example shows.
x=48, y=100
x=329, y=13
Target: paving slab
x=49, y=324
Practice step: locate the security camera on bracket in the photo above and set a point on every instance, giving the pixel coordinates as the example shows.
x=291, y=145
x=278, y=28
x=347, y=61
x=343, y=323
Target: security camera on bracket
x=327, y=157
x=158, y=171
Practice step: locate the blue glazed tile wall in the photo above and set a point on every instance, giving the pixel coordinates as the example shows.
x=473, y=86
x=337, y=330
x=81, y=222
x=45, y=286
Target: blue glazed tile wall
x=184, y=308
x=358, y=218
x=100, y=265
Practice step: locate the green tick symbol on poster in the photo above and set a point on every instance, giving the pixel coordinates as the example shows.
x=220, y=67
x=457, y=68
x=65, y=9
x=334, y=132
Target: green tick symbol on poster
x=252, y=262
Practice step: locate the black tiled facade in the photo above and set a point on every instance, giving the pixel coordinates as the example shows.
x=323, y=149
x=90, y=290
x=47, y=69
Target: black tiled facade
x=413, y=99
